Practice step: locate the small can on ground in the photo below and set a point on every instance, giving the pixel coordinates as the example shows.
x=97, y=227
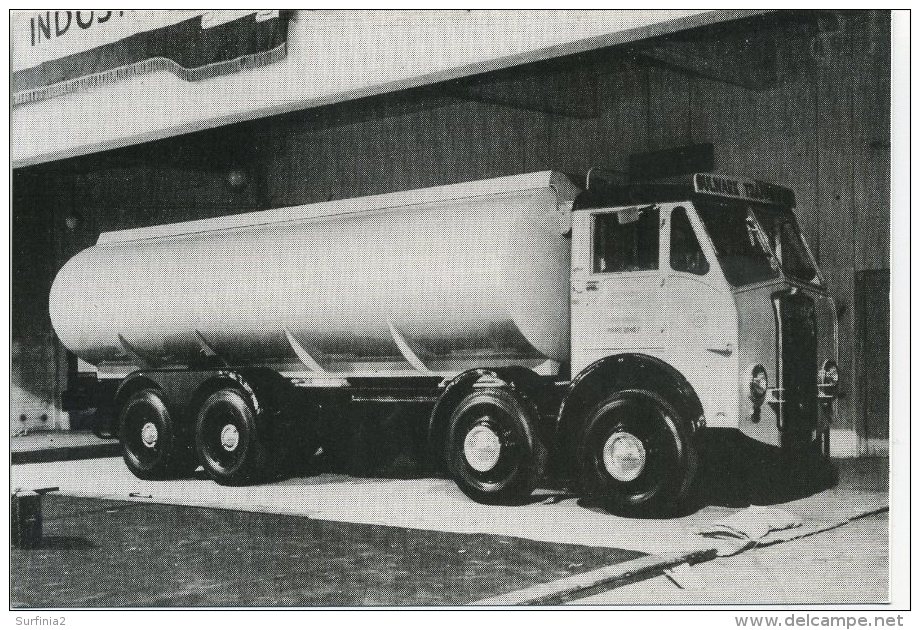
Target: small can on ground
x=26, y=518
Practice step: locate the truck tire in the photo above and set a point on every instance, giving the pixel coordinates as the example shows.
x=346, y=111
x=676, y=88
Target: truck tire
x=636, y=454
x=151, y=445
x=492, y=448
x=230, y=445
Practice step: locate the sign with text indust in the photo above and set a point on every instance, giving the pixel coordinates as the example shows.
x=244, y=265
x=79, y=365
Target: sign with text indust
x=329, y=56
x=58, y=52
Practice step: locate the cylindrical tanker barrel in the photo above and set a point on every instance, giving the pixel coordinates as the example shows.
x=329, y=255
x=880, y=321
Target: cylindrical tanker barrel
x=465, y=275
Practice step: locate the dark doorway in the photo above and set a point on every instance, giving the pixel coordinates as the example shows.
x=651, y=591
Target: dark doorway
x=871, y=377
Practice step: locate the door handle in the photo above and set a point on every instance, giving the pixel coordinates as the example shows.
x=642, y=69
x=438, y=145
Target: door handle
x=591, y=286
x=725, y=351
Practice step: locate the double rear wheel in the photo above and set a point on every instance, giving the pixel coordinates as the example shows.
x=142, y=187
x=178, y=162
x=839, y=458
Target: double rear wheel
x=229, y=439
x=493, y=451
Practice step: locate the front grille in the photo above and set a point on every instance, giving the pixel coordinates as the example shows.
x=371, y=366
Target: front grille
x=797, y=351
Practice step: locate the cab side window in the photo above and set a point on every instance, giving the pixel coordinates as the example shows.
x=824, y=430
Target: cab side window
x=625, y=241
x=686, y=253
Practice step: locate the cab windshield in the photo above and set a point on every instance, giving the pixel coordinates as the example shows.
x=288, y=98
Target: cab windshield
x=752, y=243
x=786, y=241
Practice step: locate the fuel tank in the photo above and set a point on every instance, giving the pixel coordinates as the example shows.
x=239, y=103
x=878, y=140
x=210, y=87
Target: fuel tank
x=457, y=276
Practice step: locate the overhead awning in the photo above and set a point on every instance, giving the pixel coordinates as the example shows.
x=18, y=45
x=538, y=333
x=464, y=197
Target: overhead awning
x=136, y=76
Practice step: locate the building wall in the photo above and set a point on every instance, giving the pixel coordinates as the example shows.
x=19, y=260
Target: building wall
x=115, y=195
x=813, y=114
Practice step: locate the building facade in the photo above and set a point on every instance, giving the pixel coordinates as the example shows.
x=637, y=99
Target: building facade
x=798, y=98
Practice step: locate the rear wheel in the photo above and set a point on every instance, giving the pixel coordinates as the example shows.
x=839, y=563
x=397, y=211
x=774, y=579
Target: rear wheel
x=492, y=448
x=636, y=455
x=228, y=440
x=151, y=445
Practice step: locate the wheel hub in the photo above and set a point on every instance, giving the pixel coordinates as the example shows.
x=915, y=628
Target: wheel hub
x=624, y=456
x=149, y=435
x=482, y=448
x=229, y=437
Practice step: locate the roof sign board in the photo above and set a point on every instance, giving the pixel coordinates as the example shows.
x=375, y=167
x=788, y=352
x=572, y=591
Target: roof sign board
x=743, y=189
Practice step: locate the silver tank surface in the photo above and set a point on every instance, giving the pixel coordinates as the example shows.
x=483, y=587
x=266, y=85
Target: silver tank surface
x=438, y=279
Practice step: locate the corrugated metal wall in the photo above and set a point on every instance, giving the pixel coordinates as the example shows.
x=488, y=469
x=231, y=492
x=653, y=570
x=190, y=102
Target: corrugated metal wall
x=813, y=115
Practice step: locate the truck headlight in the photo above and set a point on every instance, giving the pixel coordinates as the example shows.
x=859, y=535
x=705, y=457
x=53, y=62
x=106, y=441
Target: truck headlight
x=829, y=378
x=759, y=384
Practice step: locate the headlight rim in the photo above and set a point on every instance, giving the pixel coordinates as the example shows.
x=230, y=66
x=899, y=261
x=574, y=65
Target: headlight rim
x=829, y=378
x=759, y=383
x=826, y=371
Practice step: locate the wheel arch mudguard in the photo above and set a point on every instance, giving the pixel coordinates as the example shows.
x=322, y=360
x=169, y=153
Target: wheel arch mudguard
x=133, y=382
x=624, y=371
x=185, y=390
x=253, y=389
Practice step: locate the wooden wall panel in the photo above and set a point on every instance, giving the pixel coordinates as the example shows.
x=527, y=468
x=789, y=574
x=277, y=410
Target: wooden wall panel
x=871, y=144
x=457, y=143
x=620, y=127
x=275, y=174
x=766, y=133
x=873, y=317
x=870, y=155
x=833, y=78
x=412, y=142
x=718, y=115
x=624, y=114
x=792, y=124
x=303, y=168
x=535, y=130
x=574, y=144
x=346, y=146
x=33, y=353
x=497, y=146
x=669, y=121
x=442, y=151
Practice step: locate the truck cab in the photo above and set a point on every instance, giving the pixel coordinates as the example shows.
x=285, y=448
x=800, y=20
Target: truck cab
x=710, y=275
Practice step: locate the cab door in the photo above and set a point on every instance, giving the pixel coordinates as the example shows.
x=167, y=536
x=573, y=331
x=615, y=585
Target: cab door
x=699, y=315
x=616, y=283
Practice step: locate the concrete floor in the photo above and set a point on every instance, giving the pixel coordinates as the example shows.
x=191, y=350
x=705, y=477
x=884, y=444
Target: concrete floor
x=44, y=440
x=848, y=564
x=437, y=505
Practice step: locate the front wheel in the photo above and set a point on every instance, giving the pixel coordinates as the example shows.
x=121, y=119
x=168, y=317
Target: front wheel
x=636, y=454
x=492, y=450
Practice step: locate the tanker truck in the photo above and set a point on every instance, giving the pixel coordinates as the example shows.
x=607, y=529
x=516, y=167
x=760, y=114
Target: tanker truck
x=522, y=322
